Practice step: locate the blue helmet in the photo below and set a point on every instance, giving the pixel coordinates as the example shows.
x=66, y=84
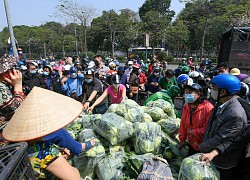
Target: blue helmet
x=46, y=63
x=182, y=79
x=227, y=81
x=121, y=68
x=117, y=62
x=73, y=70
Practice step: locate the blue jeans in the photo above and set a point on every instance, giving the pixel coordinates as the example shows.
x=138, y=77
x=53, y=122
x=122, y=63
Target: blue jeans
x=100, y=109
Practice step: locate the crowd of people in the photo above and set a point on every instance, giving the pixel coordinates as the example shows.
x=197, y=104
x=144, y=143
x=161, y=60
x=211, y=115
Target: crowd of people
x=214, y=117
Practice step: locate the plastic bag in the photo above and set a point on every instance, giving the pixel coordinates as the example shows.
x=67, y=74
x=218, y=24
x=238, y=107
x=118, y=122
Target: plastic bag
x=164, y=105
x=156, y=113
x=147, y=137
x=170, y=125
x=130, y=110
x=114, y=128
x=193, y=169
x=111, y=166
x=86, y=162
x=146, y=118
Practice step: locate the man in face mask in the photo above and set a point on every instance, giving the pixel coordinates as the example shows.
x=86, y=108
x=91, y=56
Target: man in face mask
x=72, y=84
x=227, y=122
x=47, y=69
x=153, y=80
x=126, y=75
x=92, y=89
x=31, y=78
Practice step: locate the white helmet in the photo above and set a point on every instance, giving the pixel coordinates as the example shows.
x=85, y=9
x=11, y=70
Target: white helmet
x=91, y=64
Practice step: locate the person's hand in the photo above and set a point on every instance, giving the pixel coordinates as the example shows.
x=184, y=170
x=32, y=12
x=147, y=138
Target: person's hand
x=208, y=157
x=65, y=153
x=15, y=79
x=60, y=73
x=93, y=141
x=90, y=108
x=156, y=84
x=64, y=79
x=86, y=105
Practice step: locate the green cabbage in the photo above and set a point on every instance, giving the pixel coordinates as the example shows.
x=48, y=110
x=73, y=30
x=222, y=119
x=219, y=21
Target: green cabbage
x=164, y=105
x=146, y=118
x=87, y=161
x=112, y=108
x=170, y=125
x=147, y=137
x=114, y=128
x=193, y=168
x=156, y=113
x=130, y=110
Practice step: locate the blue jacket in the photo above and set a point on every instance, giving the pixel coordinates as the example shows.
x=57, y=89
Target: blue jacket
x=73, y=85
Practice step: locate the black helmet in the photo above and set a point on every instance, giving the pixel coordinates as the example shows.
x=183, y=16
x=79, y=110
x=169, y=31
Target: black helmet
x=195, y=86
x=88, y=71
x=115, y=79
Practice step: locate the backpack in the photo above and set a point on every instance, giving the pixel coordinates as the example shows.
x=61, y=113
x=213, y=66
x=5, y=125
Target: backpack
x=157, y=169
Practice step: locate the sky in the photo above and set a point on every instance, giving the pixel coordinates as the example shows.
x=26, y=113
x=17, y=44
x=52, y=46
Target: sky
x=37, y=12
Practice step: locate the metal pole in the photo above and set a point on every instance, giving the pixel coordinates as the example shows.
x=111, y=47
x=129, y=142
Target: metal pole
x=12, y=39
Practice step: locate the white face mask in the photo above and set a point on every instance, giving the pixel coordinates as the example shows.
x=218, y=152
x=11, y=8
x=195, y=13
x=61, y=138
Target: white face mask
x=156, y=74
x=214, y=94
x=116, y=86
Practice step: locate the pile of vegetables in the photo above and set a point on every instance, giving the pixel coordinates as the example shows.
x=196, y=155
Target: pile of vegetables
x=127, y=135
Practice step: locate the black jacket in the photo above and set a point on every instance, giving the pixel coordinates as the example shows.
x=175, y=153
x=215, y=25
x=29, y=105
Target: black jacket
x=31, y=80
x=228, y=123
x=243, y=138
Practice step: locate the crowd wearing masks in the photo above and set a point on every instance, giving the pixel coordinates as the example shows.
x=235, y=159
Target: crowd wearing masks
x=214, y=114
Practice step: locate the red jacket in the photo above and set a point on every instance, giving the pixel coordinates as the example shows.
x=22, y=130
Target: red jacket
x=200, y=119
x=143, y=78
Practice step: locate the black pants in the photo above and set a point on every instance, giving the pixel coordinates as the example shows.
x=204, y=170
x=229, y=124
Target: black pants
x=226, y=174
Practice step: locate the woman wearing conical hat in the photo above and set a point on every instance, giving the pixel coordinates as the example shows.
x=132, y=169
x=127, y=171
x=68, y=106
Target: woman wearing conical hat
x=40, y=121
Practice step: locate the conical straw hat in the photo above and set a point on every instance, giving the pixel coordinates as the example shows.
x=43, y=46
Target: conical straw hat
x=41, y=113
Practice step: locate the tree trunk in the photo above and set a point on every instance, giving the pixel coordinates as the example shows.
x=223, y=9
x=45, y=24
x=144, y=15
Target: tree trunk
x=203, y=39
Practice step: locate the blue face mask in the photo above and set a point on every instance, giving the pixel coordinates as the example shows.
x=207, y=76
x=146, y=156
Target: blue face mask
x=130, y=67
x=80, y=75
x=45, y=73
x=73, y=75
x=88, y=80
x=139, y=71
x=32, y=71
x=189, y=98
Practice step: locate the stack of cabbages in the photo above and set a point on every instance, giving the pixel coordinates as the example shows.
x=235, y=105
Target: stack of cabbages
x=127, y=135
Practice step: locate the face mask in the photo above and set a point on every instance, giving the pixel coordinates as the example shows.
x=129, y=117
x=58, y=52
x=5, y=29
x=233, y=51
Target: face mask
x=139, y=71
x=80, y=75
x=130, y=67
x=116, y=86
x=88, y=80
x=156, y=74
x=45, y=73
x=189, y=98
x=32, y=71
x=214, y=94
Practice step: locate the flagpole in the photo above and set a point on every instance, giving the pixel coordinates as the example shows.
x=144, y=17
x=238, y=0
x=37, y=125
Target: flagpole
x=12, y=39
